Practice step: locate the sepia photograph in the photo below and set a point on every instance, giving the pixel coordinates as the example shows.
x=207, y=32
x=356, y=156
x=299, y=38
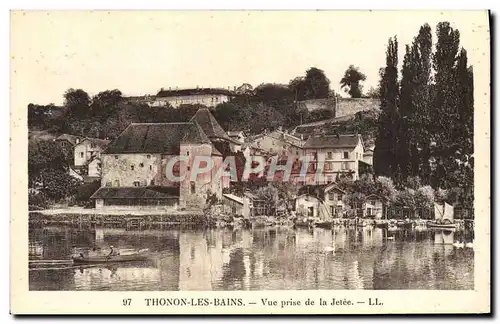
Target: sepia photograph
x=236, y=151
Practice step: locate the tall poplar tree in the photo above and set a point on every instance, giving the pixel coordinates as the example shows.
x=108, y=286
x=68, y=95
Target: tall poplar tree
x=385, y=158
x=413, y=148
x=445, y=115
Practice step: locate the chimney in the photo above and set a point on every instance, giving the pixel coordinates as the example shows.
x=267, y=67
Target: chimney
x=235, y=88
x=169, y=88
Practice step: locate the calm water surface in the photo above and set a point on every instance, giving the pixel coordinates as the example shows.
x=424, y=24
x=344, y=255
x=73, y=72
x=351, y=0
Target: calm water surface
x=258, y=259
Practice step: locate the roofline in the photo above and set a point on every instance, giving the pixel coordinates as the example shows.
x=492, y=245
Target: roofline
x=331, y=186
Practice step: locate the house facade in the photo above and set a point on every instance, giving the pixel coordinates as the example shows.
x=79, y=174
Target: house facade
x=368, y=155
x=87, y=150
x=373, y=207
x=209, y=97
x=334, y=199
x=323, y=201
x=134, y=167
x=310, y=206
x=340, y=155
x=278, y=142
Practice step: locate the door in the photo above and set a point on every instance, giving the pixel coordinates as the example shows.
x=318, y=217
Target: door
x=310, y=211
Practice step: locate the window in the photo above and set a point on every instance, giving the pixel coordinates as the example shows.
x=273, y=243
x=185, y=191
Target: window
x=141, y=165
x=188, y=168
x=132, y=167
x=116, y=157
x=117, y=183
x=339, y=197
x=187, y=153
x=346, y=155
x=345, y=166
x=372, y=202
x=81, y=154
x=92, y=145
x=148, y=156
x=137, y=183
x=109, y=183
x=328, y=166
x=193, y=187
x=150, y=167
x=329, y=155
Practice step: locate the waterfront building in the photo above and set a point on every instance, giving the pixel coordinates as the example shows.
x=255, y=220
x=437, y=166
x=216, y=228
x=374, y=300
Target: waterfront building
x=134, y=167
x=341, y=155
x=373, y=206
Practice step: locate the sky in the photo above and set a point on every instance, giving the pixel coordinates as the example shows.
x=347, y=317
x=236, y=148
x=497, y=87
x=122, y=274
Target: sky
x=139, y=52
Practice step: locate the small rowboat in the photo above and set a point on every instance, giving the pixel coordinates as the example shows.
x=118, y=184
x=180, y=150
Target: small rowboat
x=443, y=226
x=110, y=259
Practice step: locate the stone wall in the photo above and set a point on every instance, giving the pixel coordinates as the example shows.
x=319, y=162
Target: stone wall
x=350, y=106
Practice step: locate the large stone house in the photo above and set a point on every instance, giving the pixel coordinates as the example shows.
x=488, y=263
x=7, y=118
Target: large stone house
x=209, y=97
x=134, y=167
x=341, y=155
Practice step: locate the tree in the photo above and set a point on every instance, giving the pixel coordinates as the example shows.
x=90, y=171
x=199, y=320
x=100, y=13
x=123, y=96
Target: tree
x=314, y=85
x=446, y=118
x=384, y=156
x=415, y=100
x=43, y=155
x=104, y=104
x=373, y=92
x=317, y=84
x=351, y=80
x=77, y=102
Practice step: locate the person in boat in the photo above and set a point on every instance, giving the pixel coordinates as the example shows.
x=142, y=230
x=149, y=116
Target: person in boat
x=112, y=251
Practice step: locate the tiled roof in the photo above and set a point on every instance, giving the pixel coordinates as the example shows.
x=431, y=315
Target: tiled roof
x=191, y=92
x=102, y=143
x=332, y=141
x=210, y=125
x=136, y=192
x=70, y=138
x=162, y=138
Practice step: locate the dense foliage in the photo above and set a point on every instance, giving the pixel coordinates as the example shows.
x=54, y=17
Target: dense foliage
x=426, y=120
x=351, y=80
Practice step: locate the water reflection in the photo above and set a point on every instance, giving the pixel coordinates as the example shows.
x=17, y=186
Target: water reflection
x=258, y=259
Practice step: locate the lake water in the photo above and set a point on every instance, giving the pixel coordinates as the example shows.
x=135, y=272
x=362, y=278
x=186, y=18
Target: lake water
x=257, y=259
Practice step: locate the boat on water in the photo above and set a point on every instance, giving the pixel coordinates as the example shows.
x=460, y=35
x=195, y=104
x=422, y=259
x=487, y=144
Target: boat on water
x=141, y=255
x=325, y=224
x=109, y=259
x=438, y=225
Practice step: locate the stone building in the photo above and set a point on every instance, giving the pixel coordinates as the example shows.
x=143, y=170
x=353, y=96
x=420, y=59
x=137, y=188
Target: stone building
x=277, y=142
x=209, y=97
x=134, y=167
x=341, y=155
